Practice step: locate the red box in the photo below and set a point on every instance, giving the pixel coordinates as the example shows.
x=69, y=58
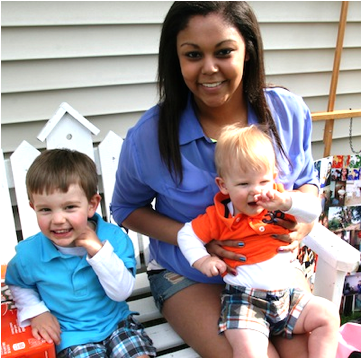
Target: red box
x=18, y=342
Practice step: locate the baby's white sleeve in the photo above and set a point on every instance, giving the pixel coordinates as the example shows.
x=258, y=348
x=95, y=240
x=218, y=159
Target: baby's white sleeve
x=192, y=247
x=306, y=207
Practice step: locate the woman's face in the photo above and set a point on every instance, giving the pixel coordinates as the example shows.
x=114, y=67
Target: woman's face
x=212, y=54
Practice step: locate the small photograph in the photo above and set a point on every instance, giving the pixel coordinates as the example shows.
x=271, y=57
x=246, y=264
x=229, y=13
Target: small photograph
x=306, y=259
x=352, y=284
x=355, y=161
x=351, y=300
x=323, y=219
x=343, y=174
x=325, y=196
x=355, y=239
x=337, y=161
x=354, y=174
x=344, y=219
x=353, y=193
x=317, y=167
x=346, y=160
x=336, y=174
x=326, y=171
x=338, y=193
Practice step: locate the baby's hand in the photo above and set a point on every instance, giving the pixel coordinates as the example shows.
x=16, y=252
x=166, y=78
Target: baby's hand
x=264, y=197
x=210, y=266
x=273, y=200
x=46, y=326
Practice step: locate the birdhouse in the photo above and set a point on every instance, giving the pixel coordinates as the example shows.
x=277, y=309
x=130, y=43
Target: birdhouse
x=69, y=129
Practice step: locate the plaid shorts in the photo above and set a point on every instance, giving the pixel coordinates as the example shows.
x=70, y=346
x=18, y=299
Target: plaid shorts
x=269, y=312
x=129, y=340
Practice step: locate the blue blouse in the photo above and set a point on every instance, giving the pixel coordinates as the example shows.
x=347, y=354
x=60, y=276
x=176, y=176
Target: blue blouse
x=142, y=175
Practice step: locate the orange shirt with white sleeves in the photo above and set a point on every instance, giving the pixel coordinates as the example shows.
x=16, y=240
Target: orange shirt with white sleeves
x=254, y=231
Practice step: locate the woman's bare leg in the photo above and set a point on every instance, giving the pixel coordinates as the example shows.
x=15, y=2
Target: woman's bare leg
x=247, y=343
x=194, y=313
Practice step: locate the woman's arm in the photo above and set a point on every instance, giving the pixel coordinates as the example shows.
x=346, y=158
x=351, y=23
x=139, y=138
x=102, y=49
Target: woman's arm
x=147, y=221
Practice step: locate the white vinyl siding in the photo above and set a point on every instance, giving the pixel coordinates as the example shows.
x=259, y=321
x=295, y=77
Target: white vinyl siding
x=101, y=58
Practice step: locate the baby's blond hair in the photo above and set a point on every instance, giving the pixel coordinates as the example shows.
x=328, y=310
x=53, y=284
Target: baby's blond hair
x=248, y=148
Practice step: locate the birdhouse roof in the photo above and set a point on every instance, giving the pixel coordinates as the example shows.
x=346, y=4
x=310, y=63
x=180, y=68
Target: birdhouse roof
x=54, y=120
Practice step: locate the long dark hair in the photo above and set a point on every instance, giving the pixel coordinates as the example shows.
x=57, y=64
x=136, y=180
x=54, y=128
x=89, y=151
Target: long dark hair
x=173, y=91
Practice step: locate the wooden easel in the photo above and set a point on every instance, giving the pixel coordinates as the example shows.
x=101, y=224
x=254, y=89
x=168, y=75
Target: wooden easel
x=332, y=115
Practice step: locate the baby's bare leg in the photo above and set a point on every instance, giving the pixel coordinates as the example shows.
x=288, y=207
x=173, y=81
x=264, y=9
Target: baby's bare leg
x=320, y=317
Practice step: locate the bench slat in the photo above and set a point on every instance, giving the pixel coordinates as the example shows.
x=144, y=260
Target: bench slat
x=164, y=337
x=8, y=238
x=147, y=309
x=21, y=160
x=142, y=284
x=183, y=353
x=108, y=151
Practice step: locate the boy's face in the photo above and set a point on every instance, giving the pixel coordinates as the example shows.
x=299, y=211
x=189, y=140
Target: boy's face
x=242, y=186
x=62, y=217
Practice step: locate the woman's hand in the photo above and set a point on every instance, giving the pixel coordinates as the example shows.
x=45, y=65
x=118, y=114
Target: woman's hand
x=298, y=232
x=216, y=248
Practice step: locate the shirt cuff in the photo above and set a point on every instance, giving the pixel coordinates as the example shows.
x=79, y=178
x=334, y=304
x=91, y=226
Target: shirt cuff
x=26, y=313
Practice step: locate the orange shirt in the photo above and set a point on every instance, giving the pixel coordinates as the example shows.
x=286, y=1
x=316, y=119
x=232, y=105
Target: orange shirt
x=217, y=223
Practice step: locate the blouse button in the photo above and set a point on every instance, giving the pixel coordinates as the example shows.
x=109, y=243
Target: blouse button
x=261, y=229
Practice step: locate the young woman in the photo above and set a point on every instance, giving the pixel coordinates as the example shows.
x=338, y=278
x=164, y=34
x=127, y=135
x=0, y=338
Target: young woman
x=211, y=73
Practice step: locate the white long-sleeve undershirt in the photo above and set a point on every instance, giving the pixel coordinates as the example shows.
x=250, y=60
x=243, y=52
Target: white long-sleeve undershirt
x=116, y=280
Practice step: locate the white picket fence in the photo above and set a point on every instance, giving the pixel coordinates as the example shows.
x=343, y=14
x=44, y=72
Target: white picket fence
x=68, y=129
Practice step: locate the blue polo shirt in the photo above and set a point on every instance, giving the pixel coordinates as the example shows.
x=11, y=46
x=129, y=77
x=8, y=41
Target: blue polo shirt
x=69, y=286
x=143, y=176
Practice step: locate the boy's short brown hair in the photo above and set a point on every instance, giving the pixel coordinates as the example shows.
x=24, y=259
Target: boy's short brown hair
x=57, y=169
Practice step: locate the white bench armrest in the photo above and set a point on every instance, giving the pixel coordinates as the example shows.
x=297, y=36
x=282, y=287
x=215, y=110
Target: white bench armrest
x=335, y=259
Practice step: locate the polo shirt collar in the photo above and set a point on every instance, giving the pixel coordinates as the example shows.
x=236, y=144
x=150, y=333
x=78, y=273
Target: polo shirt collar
x=190, y=128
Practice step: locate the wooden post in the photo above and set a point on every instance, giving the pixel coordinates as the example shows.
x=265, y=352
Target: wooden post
x=328, y=129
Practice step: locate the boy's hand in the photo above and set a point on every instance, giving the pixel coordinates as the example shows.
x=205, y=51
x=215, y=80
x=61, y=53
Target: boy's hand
x=90, y=241
x=46, y=326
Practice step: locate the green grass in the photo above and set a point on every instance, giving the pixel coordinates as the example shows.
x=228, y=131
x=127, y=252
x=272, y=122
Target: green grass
x=356, y=316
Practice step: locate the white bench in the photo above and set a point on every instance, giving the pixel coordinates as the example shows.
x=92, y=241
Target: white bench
x=68, y=129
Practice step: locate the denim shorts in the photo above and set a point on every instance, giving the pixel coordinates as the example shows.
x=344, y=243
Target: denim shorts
x=164, y=284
